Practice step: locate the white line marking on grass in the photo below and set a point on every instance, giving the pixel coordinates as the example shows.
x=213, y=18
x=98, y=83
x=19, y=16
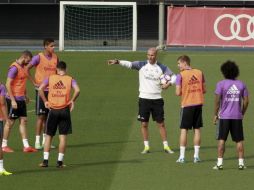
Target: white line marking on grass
x=29, y=111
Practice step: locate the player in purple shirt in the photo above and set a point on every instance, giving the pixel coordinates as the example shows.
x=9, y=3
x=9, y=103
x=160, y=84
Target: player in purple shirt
x=3, y=116
x=16, y=101
x=231, y=102
x=44, y=65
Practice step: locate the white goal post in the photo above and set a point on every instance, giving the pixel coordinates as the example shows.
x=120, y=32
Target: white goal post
x=87, y=25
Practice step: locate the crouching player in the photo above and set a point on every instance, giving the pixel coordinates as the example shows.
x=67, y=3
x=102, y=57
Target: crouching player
x=59, y=104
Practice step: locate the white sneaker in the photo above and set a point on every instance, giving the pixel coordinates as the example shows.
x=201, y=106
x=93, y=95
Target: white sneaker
x=196, y=160
x=242, y=167
x=216, y=167
x=180, y=160
x=38, y=146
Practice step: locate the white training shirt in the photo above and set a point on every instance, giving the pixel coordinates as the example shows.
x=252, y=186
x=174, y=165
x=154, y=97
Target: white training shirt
x=149, y=77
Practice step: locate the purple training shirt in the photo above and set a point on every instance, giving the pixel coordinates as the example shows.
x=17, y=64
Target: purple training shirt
x=2, y=90
x=231, y=93
x=12, y=73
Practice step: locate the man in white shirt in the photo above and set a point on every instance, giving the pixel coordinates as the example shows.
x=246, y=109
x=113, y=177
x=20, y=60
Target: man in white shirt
x=150, y=99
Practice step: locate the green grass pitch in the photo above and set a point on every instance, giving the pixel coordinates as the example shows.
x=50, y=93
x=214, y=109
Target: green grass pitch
x=104, y=150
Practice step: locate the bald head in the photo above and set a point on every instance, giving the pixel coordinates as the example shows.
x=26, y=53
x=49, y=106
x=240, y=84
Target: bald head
x=152, y=49
x=152, y=55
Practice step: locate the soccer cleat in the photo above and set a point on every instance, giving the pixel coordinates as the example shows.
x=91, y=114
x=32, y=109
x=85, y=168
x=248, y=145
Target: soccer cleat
x=5, y=173
x=216, y=167
x=38, y=146
x=196, y=160
x=242, y=167
x=7, y=149
x=180, y=160
x=146, y=150
x=168, y=150
x=29, y=149
x=60, y=164
x=44, y=164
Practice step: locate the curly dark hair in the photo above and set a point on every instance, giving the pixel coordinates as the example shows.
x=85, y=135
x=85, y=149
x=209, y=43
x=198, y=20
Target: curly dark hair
x=230, y=70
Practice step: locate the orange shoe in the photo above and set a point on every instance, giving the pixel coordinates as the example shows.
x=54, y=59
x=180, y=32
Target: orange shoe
x=7, y=149
x=29, y=149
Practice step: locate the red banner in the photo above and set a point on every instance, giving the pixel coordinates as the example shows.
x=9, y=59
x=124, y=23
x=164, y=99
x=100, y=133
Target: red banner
x=188, y=26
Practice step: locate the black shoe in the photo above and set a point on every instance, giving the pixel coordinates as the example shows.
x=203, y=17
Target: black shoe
x=60, y=164
x=44, y=164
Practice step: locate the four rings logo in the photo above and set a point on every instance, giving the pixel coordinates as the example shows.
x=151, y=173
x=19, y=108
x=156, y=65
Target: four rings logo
x=235, y=27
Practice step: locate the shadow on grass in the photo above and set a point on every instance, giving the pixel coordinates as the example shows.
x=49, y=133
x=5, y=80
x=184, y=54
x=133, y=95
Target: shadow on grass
x=227, y=158
x=191, y=148
x=99, y=144
x=78, y=165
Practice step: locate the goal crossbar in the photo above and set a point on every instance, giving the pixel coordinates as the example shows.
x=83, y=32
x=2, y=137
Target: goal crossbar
x=63, y=4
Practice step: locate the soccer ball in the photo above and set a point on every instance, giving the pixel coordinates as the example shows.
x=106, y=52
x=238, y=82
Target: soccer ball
x=164, y=79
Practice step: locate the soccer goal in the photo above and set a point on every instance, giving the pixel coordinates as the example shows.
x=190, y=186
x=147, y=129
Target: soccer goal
x=91, y=25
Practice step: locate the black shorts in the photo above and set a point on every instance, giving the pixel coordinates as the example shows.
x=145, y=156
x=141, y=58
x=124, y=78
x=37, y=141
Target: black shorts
x=234, y=126
x=39, y=104
x=191, y=117
x=1, y=130
x=154, y=107
x=19, y=112
x=61, y=119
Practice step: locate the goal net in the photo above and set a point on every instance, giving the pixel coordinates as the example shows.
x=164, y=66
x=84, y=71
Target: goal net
x=98, y=26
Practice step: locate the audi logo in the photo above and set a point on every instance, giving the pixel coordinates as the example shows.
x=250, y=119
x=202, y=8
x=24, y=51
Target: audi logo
x=235, y=30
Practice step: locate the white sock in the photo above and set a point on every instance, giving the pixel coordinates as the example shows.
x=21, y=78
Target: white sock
x=37, y=139
x=196, y=151
x=45, y=155
x=241, y=161
x=25, y=143
x=60, y=156
x=4, y=142
x=1, y=165
x=220, y=161
x=43, y=138
x=146, y=143
x=165, y=143
x=182, y=151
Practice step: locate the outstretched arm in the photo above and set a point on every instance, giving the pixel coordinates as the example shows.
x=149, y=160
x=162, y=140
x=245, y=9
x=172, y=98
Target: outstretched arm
x=113, y=62
x=123, y=63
